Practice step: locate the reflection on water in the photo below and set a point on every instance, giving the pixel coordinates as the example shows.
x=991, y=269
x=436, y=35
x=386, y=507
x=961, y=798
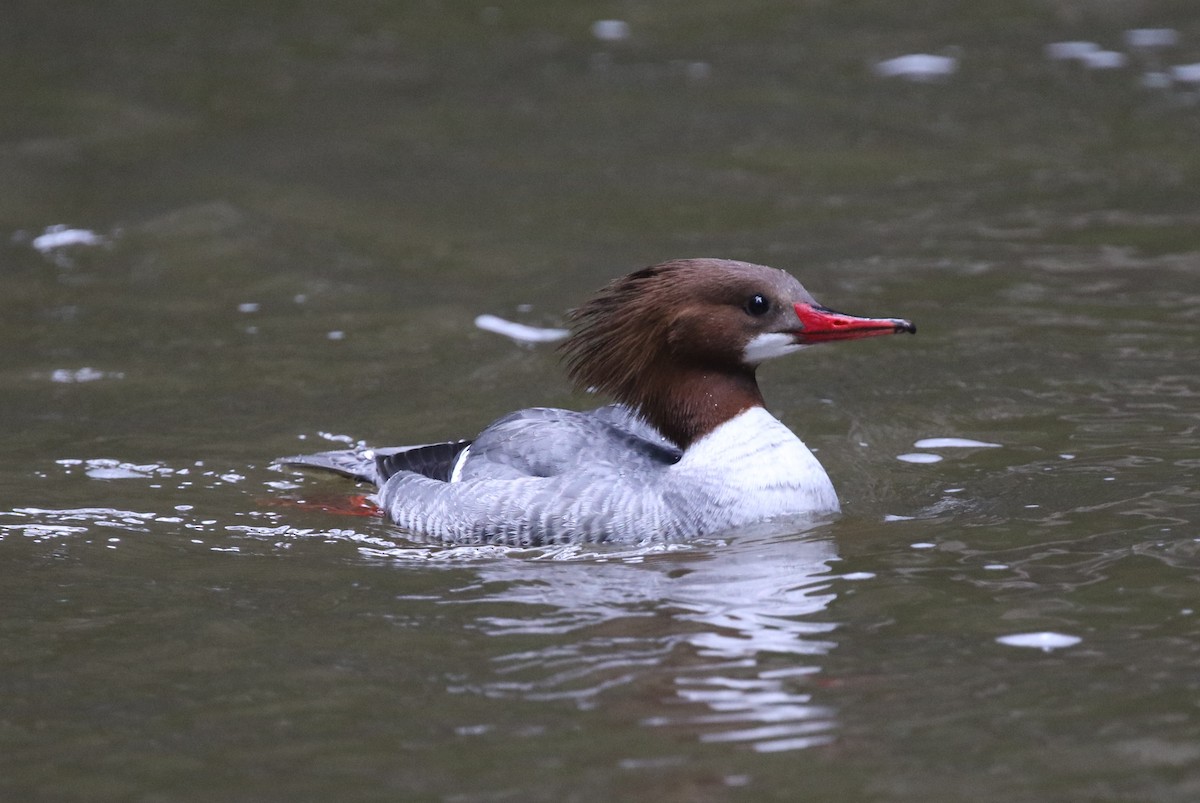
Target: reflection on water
x=723, y=637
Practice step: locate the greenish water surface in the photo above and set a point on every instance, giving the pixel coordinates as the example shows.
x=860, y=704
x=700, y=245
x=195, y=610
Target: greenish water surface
x=292, y=213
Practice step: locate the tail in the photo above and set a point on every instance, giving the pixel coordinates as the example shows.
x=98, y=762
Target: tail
x=433, y=460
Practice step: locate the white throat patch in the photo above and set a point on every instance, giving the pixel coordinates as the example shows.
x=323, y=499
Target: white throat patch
x=769, y=345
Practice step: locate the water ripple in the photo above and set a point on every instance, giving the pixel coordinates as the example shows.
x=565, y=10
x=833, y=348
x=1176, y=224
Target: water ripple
x=722, y=641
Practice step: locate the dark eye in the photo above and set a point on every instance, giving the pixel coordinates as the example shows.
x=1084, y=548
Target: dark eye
x=758, y=304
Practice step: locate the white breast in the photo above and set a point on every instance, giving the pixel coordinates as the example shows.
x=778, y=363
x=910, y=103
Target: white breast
x=753, y=467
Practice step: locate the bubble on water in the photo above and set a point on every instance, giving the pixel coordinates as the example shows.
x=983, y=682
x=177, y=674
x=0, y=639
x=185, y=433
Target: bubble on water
x=1044, y=641
x=954, y=443
x=610, y=30
x=113, y=470
x=919, y=457
x=522, y=333
x=1151, y=37
x=1103, y=60
x=67, y=376
x=1068, y=51
x=1186, y=73
x=920, y=67
x=61, y=235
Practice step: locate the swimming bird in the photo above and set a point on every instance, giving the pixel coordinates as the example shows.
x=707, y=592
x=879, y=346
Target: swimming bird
x=687, y=449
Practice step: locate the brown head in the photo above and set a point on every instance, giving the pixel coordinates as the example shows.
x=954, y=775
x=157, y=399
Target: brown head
x=680, y=341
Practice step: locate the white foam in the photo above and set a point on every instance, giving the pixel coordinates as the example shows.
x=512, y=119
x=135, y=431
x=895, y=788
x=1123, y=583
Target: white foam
x=1103, y=60
x=919, y=457
x=917, y=67
x=610, y=30
x=105, y=468
x=1186, y=73
x=953, y=443
x=68, y=376
x=518, y=331
x=346, y=439
x=1066, y=51
x=1151, y=37
x=1044, y=641
x=62, y=236
x=114, y=473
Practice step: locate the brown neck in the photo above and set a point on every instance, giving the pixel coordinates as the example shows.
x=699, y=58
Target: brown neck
x=690, y=404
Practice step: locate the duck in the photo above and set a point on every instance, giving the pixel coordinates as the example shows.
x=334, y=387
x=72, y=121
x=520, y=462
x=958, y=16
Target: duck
x=686, y=449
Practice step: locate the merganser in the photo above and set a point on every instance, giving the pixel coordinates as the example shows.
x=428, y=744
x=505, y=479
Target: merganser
x=687, y=450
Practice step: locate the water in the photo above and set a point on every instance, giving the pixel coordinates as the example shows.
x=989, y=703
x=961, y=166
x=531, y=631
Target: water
x=287, y=221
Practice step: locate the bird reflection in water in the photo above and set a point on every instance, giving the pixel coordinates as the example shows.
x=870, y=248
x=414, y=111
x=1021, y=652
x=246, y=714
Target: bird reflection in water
x=723, y=639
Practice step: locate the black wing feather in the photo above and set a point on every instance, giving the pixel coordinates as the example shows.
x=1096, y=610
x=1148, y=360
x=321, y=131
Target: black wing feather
x=435, y=461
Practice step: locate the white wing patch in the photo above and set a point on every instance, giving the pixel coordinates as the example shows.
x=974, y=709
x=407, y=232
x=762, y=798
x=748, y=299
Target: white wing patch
x=456, y=472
